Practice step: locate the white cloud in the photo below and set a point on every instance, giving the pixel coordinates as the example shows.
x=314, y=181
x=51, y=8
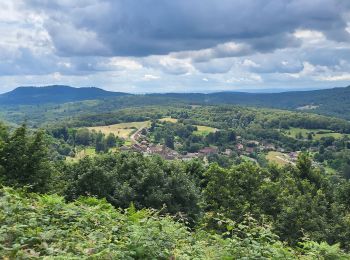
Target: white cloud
x=150, y=77
x=250, y=64
x=310, y=37
x=342, y=77
x=127, y=64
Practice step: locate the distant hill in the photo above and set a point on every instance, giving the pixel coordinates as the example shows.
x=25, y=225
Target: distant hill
x=54, y=94
x=332, y=102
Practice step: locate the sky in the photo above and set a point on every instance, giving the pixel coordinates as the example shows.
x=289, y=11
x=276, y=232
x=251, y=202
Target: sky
x=143, y=46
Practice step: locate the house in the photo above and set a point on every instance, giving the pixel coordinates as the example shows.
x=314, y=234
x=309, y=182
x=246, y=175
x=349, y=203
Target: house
x=170, y=155
x=154, y=149
x=208, y=150
x=313, y=149
x=139, y=148
x=144, y=142
x=293, y=156
x=239, y=147
x=249, y=149
x=228, y=152
x=189, y=156
x=270, y=147
x=253, y=143
x=124, y=148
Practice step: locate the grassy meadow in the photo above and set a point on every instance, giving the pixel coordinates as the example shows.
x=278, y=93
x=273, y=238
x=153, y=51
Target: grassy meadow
x=279, y=158
x=122, y=130
x=204, y=130
x=317, y=133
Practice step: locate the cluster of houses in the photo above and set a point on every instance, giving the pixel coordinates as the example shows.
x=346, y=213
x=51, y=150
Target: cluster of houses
x=167, y=153
x=252, y=146
x=242, y=148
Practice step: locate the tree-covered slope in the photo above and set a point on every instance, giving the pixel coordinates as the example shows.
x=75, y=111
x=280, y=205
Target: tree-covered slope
x=333, y=102
x=53, y=94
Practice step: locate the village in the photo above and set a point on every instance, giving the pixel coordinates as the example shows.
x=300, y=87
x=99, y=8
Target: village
x=244, y=149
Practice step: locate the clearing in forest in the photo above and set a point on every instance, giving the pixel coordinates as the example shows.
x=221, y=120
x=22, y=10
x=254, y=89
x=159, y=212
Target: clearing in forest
x=280, y=159
x=168, y=119
x=317, y=134
x=122, y=130
x=204, y=130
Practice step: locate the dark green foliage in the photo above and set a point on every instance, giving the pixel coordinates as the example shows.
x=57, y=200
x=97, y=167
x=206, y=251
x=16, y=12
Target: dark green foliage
x=24, y=160
x=83, y=137
x=239, y=190
x=53, y=94
x=125, y=178
x=332, y=102
x=299, y=202
x=111, y=140
x=169, y=141
x=38, y=226
x=100, y=143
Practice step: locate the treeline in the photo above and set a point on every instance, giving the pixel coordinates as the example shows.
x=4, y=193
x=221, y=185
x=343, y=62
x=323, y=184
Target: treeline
x=184, y=135
x=241, y=117
x=299, y=204
x=65, y=140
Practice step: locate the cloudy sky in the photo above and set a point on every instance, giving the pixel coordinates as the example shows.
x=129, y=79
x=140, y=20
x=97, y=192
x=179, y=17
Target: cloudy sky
x=175, y=46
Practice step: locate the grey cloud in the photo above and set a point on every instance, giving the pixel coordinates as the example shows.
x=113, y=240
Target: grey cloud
x=146, y=27
x=327, y=57
x=216, y=66
x=24, y=62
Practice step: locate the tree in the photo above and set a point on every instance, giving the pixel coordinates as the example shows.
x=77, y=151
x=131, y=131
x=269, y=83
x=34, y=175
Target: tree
x=39, y=169
x=309, y=136
x=304, y=164
x=25, y=160
x=146, y=181
x=169, y=141
x=322, y=149
x=111, y=140
x=100, y=143
x=346, y=171
x=14, y=157
x=236, y=191
x=83, y=137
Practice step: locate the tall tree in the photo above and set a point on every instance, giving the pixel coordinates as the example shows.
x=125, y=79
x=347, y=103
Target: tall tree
x=38, y=167
x=24, y=160
x=14, y=157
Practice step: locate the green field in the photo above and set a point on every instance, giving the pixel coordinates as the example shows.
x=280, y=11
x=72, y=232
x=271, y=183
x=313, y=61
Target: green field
x=292, y=132
x=81, y=154
x=168, y=119
x=122, y=130
x=280, y=159
x=204, y=130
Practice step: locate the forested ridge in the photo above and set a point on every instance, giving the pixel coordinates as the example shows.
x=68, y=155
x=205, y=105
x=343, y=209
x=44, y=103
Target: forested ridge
x=47, y=104
x=126, y=205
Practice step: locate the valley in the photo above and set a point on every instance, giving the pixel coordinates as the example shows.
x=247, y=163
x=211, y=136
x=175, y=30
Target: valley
x=175, y=130
x=208, y=163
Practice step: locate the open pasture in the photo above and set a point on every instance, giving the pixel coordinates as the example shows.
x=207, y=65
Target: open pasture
x=204, y=130
x=317, y=134
x=122, y=130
